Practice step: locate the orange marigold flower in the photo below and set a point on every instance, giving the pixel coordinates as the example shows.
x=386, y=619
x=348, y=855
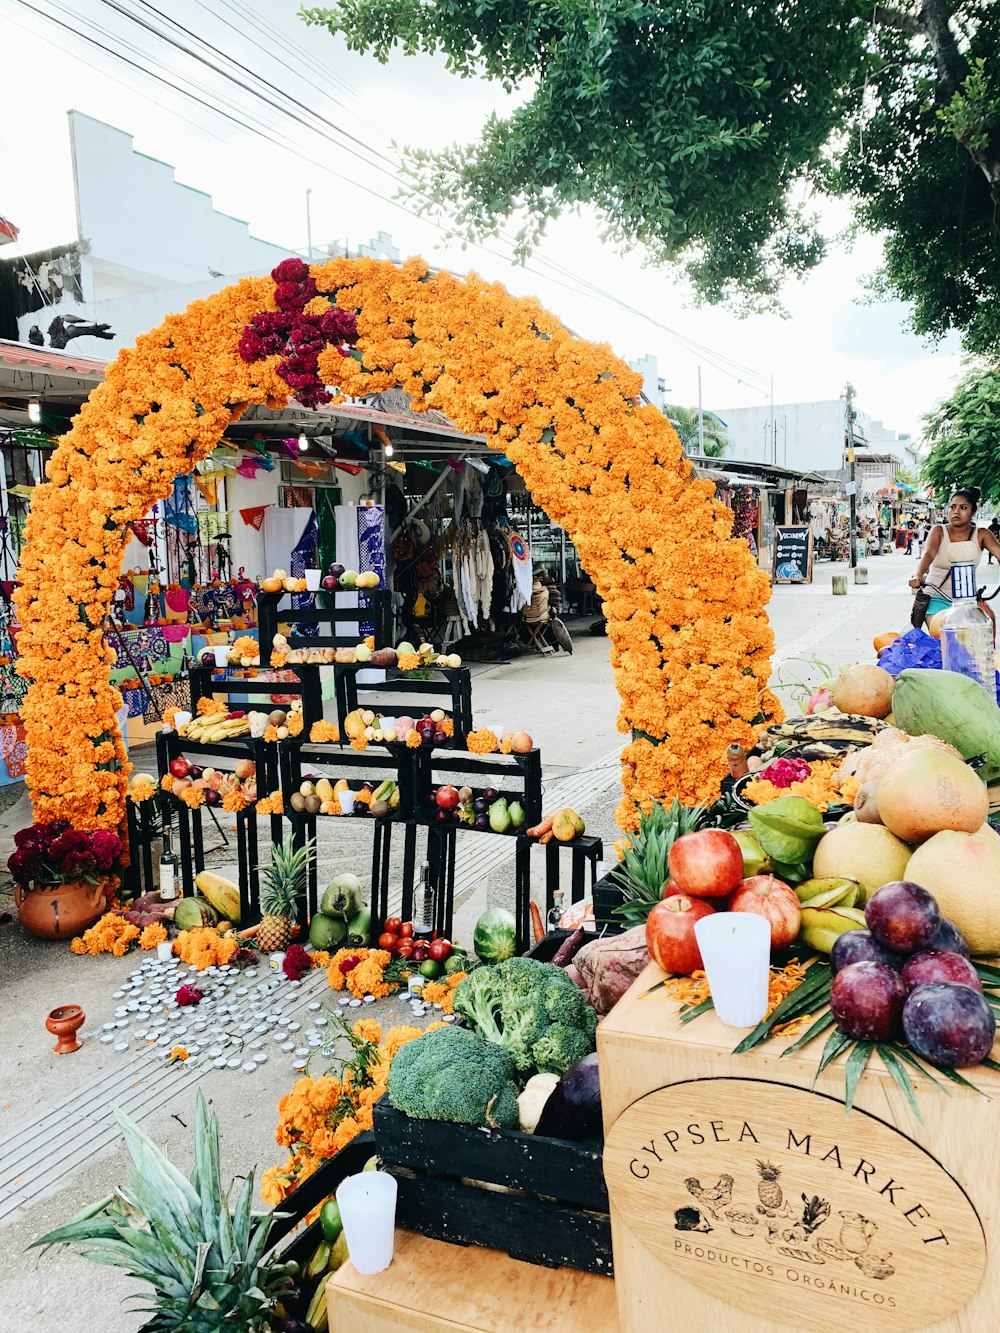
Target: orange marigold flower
x=408, y=662
x=193, y=796
x=235, y=800
x=141, y=791
x=294, y=724
x=152, y=936
x=324, y=731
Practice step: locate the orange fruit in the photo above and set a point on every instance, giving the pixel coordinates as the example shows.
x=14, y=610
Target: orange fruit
x=935, y=624
x=271, y=585
x=882, y=641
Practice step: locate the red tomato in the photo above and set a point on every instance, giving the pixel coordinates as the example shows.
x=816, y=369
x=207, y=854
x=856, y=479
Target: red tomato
x=670, y=936
x=392, y=925
x=774, y=899
x=708, y=863
x=440, y=950
x=406, y=930
x=388, y=941
x=404, y=948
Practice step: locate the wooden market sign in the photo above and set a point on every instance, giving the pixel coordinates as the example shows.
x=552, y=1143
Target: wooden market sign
x=766, y=1196
x=793, y=555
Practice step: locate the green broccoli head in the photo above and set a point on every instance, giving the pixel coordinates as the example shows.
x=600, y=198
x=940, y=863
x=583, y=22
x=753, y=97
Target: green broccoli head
x=515, y=1005
x=452, y=1074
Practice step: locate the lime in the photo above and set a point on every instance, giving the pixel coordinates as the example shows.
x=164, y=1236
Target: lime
x=455, y=962
x=329, y=1221
x=430, y=969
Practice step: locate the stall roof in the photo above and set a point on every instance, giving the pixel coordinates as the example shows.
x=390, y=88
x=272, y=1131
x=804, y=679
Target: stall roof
x=739, y=470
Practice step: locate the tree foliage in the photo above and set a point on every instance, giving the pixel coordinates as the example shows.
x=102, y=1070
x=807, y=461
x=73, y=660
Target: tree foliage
x=707, y=130
x=964, y=432
x=712, y=440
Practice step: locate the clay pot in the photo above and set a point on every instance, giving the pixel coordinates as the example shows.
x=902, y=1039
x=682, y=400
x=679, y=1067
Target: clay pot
x=63, y=1023
x=60, y=911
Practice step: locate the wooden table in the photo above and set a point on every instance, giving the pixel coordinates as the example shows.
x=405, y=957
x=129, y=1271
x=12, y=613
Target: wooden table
x=433, y=1287
x=744, y=1200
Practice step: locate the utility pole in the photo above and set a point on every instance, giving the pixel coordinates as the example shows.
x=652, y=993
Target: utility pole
x=852, y=486
x=309, y=228
x=774, y=438
x=701, y=419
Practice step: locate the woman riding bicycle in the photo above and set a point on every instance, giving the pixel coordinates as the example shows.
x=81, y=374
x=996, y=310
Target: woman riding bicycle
x=957, y=541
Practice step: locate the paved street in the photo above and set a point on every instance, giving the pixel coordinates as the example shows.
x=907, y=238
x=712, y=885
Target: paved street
x=56, y=1113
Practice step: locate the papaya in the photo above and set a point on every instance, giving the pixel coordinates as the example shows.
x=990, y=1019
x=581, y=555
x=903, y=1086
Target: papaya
x=563, y=828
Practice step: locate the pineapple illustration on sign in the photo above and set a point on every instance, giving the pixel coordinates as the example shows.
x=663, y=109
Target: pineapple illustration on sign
x=769, y=1191
x=283, y=883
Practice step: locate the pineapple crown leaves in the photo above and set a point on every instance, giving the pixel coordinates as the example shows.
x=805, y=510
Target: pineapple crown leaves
x=285, y=878
x=202, y=1257
x=644, y=868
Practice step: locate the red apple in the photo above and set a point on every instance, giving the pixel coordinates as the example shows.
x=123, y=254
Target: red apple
x=670, y=936
x=180, y=767
x=446, y=798
x=708, y=863
x=774, y=899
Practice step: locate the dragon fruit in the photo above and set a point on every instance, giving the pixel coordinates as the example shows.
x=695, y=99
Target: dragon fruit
x=783, y=772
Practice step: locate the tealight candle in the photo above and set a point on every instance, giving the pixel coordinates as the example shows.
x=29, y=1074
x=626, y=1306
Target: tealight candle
x=736, y=950
x=312, y=577
x=347, y=802
x=368, y=1211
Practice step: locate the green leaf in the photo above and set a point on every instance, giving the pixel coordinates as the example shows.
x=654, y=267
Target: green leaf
x=695, y=1010
x=813, y=992
x=856, y=1062
x=822, y=1023
x=835, y=1043
x=896, y=1068
x=956, y=1077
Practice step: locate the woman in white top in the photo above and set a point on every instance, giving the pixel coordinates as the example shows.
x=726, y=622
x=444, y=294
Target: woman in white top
x=956, y=542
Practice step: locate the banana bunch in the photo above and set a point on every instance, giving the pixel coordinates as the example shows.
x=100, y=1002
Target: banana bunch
x=325, y=1261
x=217, y=727
x=846, y=727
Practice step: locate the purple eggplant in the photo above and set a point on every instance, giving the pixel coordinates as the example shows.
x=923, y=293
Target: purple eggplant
x=573, y=1109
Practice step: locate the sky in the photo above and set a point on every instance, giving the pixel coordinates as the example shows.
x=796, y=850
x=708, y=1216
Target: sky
x=258, y=162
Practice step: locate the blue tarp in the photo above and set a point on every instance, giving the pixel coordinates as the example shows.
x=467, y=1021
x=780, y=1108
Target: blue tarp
x=915, y=648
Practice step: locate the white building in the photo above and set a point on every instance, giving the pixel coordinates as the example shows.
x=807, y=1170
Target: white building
x=807, y=437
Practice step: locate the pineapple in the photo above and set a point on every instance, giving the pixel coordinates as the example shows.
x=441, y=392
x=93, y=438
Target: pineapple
x=768, y=1190
x=199, y=1252
x=282, y=887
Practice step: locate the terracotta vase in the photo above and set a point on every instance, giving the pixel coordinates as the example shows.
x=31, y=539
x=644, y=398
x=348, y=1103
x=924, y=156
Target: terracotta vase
x=63, y=1023
x=60, y=911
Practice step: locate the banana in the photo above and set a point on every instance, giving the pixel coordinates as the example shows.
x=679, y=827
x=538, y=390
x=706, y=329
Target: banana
x=222, y=893
x=821, y=927
x=318, y=1260
x=847, y=727
x=316, y=1314
x=833, y=892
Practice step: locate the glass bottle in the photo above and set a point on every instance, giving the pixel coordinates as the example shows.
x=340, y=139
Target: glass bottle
x=556, y=911
x=967, y=633
x=168, y=867
x=424, y=906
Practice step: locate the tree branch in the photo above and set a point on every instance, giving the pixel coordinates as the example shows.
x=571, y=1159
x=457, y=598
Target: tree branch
x=935, y=25
x=884, y=17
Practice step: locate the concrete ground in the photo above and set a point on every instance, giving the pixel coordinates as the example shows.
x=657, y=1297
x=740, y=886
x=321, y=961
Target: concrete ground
x=58, y=1146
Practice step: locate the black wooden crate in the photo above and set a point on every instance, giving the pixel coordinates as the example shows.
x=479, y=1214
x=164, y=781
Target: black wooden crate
x=208, y=683
x=557, y=1214
x=327, y=619
x=432, y=767
x=403, y=693
x=607, y=896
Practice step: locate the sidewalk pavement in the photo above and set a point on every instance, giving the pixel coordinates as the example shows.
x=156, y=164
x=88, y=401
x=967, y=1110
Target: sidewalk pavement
x=64, y=1107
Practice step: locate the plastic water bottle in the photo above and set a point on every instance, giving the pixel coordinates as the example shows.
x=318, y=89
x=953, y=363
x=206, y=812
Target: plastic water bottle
x=967, y=633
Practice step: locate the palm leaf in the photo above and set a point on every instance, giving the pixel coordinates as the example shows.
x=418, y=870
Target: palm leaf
x=856, y=1062
x=813, y=1031
x=896, y=1068
x=835, y=1043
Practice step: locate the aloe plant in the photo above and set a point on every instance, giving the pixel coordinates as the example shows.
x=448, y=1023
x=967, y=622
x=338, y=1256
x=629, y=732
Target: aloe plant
x=203, y=1258
x=644, y=870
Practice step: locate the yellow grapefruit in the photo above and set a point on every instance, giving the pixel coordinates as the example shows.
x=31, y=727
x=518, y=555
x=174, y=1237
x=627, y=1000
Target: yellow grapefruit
x=962, y=871
x=868, y=853
x=929, y=792
x=865, y=690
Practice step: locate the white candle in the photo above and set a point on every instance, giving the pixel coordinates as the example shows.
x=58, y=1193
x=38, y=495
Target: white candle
x=165, y=951
x=347, y=802
x=736, y=950
x=368, y=1211
x=312, y=577
x=220, y=651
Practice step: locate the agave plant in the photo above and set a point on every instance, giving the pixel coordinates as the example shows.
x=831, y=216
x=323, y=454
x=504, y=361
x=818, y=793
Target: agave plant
x=202, y=1257
x=644, y=870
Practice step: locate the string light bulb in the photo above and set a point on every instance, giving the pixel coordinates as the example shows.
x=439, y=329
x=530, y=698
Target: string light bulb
x=303, y=442
x=389, y=451
x=34, y=411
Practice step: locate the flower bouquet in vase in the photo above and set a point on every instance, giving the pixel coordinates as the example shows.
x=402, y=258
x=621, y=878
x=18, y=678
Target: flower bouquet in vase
x=61, y=877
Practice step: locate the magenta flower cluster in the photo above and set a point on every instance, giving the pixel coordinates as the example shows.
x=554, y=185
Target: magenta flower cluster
x=296, y=337
x=55, y=853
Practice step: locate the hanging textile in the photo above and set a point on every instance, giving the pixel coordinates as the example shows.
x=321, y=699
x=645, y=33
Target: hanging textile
x=298, y=497
x=249, y=463
x=254, y=516
x=745, y=511
x=209, y=489
x=127, y=587
x=143, y=529
x=521, y=560
x=371, y=552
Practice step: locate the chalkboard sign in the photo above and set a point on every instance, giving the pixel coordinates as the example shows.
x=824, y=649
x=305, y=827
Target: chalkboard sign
x=793, y=555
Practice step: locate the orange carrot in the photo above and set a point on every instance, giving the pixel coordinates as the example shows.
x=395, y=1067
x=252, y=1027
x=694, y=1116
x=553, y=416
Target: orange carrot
x=249, y=932
x=537, y=929
x=541, y=828
x=547, y=836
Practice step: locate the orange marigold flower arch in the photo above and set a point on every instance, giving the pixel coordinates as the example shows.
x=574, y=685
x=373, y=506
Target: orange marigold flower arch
x=690, y=640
